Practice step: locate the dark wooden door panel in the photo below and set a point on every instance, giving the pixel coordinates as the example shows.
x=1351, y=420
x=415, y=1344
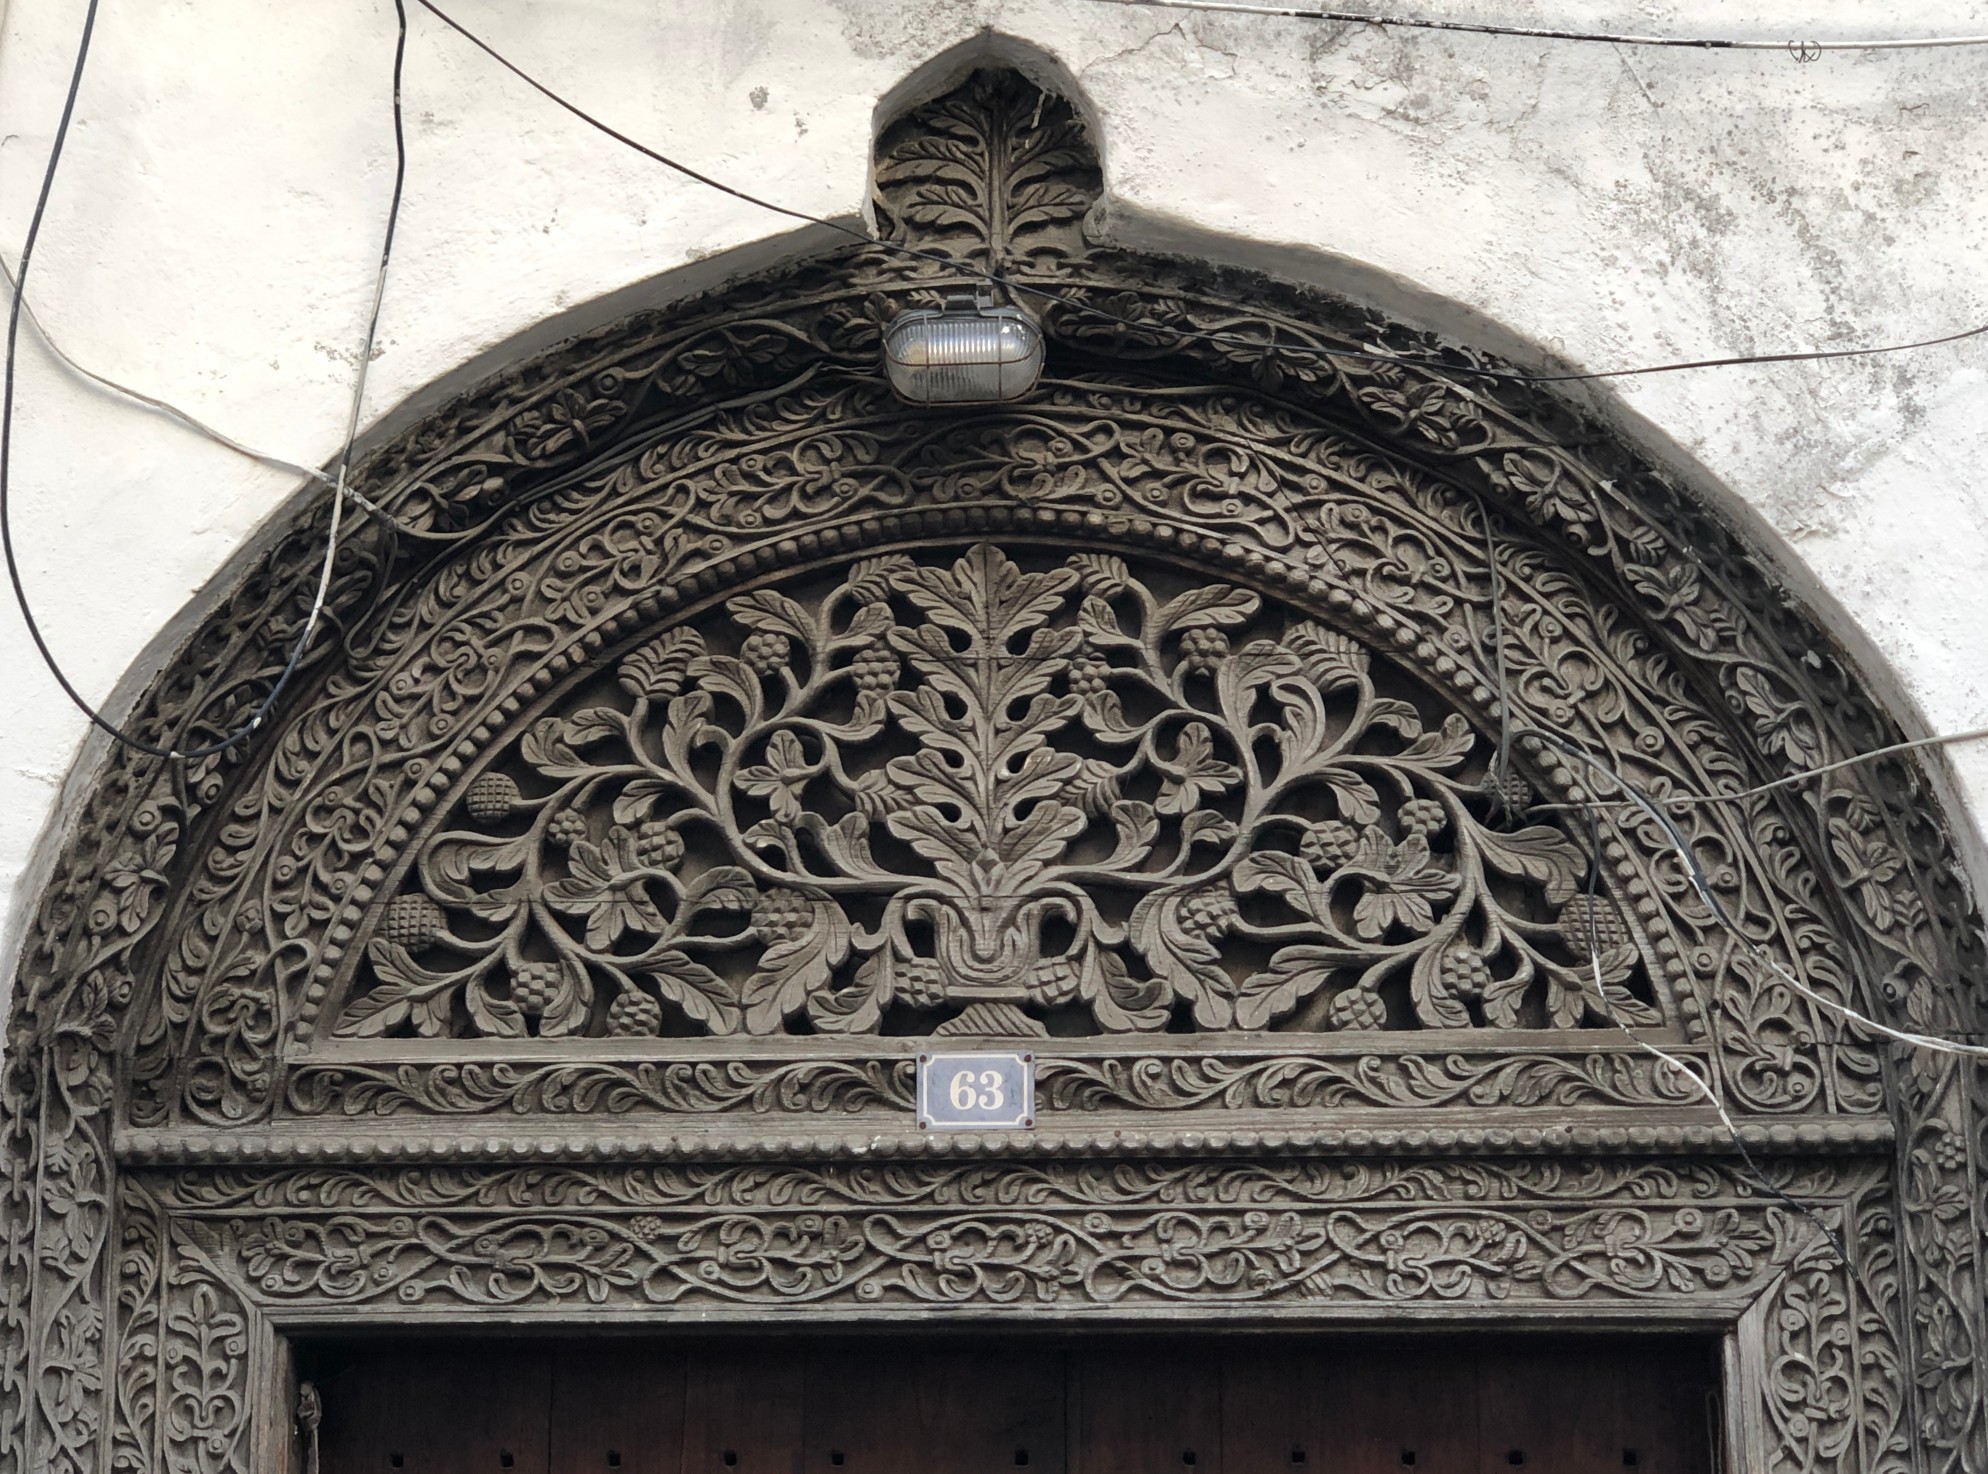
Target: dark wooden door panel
x=936, y=1408
x=1396, y=1413
x=744, y=1409
x=617, y=1405
x=467, y=1408
x=1277, y=1405
x=1047, y=1405
x=1149, y=1408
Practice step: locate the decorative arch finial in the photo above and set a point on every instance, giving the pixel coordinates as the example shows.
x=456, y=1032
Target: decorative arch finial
x=998, y=172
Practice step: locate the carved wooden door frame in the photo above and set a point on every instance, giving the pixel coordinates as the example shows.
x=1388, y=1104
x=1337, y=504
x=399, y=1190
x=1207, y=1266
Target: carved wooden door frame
x=405, y=1015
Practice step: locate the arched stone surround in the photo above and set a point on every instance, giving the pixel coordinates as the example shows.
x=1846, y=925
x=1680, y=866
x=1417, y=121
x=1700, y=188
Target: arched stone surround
x=209, y=1148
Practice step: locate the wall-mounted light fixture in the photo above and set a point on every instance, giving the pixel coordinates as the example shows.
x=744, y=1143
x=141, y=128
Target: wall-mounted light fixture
x=967, y=352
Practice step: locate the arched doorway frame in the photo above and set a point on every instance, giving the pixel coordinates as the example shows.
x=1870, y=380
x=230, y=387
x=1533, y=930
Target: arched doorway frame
x=195, y=1174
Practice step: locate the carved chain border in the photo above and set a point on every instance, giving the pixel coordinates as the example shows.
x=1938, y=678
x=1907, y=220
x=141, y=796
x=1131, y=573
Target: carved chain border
x=211, y=1265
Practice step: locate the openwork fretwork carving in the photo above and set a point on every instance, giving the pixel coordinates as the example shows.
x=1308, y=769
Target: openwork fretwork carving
x=712, y=692
x=967, y=791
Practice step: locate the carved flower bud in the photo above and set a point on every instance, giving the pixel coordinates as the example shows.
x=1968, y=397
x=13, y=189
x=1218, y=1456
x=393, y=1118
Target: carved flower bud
x=492, y=797
x=659, y=669
x=1203, y=649
x=1356, y=1008
x=568, y=828
x=1463, y=971
x=1607, y=932
x=413, y=922
x=1949, y=1151
x=766, y=651
x=782, y=916
x=647, y=1226
x=1089, y=673
x=534, y=985
x=1423, y=816
x=1511, y=792
x=635, y=1015
x=1329, y=845
x=657, y=845
x=1209, y=913
x=875, y=669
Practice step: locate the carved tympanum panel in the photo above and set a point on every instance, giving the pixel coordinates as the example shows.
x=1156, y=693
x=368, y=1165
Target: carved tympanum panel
x=994, y=792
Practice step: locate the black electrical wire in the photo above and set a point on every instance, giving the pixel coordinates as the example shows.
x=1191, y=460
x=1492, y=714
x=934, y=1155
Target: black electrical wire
x=1231, y=340
x=1805, y=49
x=19, y=298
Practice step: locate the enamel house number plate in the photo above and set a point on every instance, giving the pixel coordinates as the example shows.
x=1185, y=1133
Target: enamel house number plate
x=976, y=1092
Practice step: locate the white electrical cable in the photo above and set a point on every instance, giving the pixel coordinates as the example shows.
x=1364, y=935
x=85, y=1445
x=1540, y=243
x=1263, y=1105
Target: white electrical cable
x=16, y=309
x=157, y=406
x=1696, y=874
x=1792, y=780
x=1801, y=50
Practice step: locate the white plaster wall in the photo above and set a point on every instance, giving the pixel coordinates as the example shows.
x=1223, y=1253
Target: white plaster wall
x=218, y=215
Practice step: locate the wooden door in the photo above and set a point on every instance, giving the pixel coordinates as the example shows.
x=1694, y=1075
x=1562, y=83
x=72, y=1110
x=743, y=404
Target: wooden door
x=1044, y=1405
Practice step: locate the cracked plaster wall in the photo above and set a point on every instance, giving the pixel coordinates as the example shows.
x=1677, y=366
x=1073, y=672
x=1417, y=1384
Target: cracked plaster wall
x=214, y=229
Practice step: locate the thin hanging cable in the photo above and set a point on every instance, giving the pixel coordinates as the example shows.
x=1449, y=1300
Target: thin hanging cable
x=1791, y=780
x=1801, y=50
x=1501, y=765
x=1701, y=884
x=1949, y=739
x=152, y=402
x=14, y=312
x=1691, y=1076
x=1186, y=335
x=188, y=420
x=1693, y=870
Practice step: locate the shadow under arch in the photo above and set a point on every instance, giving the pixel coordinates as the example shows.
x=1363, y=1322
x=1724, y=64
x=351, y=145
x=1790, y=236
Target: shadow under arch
x=232, y=975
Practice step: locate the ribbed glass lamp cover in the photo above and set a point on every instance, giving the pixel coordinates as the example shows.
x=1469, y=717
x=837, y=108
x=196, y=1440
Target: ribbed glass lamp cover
x=963, y=354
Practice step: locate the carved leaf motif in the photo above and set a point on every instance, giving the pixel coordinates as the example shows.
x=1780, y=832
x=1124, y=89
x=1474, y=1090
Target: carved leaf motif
x=926, y=743
x=407, y=992
x=806, y=937
x=1434, y=986
x=696, y=989
x=1401, y=885
x=996, y=168
x=1329, y=659
x=1290, y=877
x=1785, y=726
x=1294, y=974
x=1545, y=856
x=1184, y=958
x=1194, y=772
x=780, y=779
x=608, y=888
x=1206, y=608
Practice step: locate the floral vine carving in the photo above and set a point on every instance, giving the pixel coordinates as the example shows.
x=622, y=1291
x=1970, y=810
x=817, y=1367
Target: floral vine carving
x=1130, y=1235
x=995, y=169
x=200, y=913
x=1155, y=1082
x=980, y=797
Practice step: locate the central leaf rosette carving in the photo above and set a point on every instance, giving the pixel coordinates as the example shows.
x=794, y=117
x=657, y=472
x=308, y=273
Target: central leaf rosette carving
x=982, y=795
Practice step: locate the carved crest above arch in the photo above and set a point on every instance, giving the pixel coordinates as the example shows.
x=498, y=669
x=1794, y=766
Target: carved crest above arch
x=709, y=727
